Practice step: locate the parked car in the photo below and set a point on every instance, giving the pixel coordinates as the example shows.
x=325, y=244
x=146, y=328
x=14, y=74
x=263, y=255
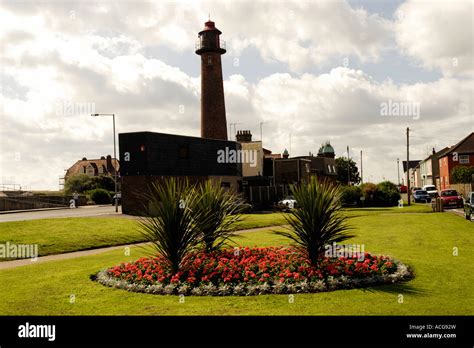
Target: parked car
x=402, y=188
x=289, y=201
x=413, y=189
x=469, y=206
x=451, y=198
x=119, y=197
x=431, y=189
x=421, y=196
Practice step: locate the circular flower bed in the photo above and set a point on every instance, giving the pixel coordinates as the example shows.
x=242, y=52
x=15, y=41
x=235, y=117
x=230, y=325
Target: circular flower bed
x=253, y=271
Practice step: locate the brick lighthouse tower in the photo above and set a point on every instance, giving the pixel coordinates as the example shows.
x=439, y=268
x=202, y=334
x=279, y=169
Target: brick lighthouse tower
x=213, y=120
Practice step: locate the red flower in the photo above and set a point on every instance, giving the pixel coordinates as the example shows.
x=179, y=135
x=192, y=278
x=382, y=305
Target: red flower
x=374, y=267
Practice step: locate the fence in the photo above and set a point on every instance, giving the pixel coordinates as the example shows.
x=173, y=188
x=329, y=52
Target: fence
x=37, y=202
x=463, y=189
x=265, y=195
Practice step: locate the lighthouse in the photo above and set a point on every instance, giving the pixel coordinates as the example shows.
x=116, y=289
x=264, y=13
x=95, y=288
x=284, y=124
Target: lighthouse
x=209, y=47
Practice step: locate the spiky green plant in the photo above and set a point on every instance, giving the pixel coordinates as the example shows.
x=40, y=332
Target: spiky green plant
x=169, y=221
x=318, y=219
x=215, y=212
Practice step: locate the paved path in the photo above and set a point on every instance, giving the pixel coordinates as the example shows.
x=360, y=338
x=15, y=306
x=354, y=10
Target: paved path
x=456, y=211
x=92, y=210
x=75, y=254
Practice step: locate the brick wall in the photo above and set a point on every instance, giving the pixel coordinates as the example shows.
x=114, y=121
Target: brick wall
x=213, y=117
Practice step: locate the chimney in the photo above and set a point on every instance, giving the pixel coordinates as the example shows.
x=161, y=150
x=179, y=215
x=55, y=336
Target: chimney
x=109, y=166
x=434, y=151
x=243, y=136
x=209, y=47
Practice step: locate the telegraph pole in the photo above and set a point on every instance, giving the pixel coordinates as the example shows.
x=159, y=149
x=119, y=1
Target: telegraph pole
x=408, y=164
x=348, y=168
x=361, y=171
x=261, y=132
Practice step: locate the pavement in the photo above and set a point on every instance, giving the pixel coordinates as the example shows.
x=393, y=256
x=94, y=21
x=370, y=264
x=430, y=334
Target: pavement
x=65, y=256
x=456, y=211
x=83, y=211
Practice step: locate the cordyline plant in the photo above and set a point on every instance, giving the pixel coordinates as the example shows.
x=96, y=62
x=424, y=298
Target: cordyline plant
x=169, y=221
x=318, y=220
x=217, y=210
x=179, y=218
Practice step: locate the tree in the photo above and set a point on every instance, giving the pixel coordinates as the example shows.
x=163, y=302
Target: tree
x=462, y=174
x=103, y=182
x=387, y=194
x=318, y=221
x=77, y=183
x=82, y=182
x=342, y=165
x=100, y=196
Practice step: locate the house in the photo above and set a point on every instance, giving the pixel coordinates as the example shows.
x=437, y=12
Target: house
x=301, y=168
x=411, y=170
x=254, y=152
x=429, y=168
x=324, y=164
x=94, y=167
x=416, y=176
x=461, y=154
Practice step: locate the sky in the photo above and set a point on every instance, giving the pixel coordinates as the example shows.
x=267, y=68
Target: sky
x=355, y=73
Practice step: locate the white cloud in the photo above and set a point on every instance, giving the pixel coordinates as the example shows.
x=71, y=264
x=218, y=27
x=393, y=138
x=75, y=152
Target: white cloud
x=304, y=33
x=439, y=34
x=102, y=61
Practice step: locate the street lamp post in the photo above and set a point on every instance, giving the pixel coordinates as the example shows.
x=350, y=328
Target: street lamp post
x=115, y=157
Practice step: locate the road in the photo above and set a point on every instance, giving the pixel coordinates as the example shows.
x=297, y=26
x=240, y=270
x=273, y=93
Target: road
x=92, y=210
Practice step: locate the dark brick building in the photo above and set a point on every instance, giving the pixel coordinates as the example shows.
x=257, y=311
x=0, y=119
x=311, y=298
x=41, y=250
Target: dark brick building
x=148, y=157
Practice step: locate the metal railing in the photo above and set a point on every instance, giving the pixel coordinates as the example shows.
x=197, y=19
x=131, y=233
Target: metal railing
x=203, y=44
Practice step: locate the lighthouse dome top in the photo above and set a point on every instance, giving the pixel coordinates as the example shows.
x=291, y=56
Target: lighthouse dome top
x=210, y=26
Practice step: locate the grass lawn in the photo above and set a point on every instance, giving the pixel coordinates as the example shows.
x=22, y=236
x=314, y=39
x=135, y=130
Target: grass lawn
x=443, y=283
x=55, y=236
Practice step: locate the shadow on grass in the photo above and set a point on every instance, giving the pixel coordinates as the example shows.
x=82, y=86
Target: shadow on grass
x=404, y=288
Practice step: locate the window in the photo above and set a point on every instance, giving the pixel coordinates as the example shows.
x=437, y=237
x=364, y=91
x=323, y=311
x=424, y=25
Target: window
x=329, y=168
x=464, y=159
x=449, y=193
x=90, y=170
x=101, y=169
